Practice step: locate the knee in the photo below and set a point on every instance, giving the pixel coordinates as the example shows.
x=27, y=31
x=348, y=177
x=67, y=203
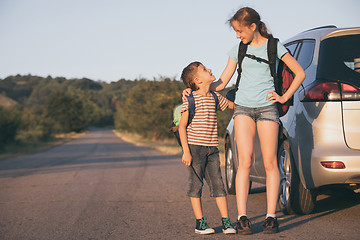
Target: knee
x=245, y=163
x=270, y=165
x=195, y=190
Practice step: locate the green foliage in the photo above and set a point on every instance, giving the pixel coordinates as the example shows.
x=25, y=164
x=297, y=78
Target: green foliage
x=9, y=124
x=86, y=84
x=37, y=134
x=223, y=118
x=33, y=127
x=46, y=106
x=148, y=108
x=66, y=112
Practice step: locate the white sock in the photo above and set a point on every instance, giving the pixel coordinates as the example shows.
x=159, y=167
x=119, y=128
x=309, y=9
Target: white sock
x=271, y=215
x=241, y=216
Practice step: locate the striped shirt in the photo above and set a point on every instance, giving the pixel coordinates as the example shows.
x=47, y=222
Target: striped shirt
x=203, y=127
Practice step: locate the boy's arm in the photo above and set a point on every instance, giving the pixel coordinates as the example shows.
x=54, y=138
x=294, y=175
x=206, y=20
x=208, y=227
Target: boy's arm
x=224, y=102
x=231, y=105
x=186, y=158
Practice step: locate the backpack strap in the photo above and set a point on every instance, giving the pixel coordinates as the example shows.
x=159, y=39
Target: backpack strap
x=259, y=59
x=216, y=100
x=241, y=54
x=191, y=107
x=272, y=53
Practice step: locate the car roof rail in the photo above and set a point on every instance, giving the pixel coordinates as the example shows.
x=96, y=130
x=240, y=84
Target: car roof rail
x=322, y=27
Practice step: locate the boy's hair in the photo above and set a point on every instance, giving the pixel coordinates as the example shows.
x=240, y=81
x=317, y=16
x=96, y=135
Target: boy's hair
x=188, y=75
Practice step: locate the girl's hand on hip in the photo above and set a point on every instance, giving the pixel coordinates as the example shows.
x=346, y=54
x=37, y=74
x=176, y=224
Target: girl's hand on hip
x=274, y=97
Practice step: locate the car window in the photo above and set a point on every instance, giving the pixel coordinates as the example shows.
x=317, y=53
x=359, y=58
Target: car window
x=292, y=47
x=339, y=59
x=306, y=53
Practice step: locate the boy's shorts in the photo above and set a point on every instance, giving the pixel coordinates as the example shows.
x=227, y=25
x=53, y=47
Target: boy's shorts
x=205, y=164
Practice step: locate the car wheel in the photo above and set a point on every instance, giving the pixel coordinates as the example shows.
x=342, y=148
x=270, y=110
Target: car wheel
x=230, y=171
x=286, y=191
x=293, y=196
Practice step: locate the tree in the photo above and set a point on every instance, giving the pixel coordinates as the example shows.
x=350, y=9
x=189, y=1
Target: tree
x=9, y=124
x=66, y=112
x=148, y=108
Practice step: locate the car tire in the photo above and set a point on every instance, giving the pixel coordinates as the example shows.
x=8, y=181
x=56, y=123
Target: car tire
x=287, y=178
x=294, y=198
x=230, y=170
x=306, y=200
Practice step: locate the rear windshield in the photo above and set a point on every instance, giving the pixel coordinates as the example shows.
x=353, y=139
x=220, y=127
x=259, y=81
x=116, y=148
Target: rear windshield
x=339, y=60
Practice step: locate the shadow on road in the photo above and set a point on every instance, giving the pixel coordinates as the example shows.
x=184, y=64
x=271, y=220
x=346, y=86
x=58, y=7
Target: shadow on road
x=324, y=207
x=333, y=202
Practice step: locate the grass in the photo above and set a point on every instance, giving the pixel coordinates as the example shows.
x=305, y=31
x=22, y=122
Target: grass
x=18, y=149
x=167, y=146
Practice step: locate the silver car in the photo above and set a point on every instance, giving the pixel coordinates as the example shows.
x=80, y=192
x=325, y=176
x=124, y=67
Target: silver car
x=319, y=139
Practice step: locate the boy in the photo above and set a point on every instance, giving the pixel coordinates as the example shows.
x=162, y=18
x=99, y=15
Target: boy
x=199, y=142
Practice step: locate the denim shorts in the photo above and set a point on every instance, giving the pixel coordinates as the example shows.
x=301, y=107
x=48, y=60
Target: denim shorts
x=267, y=113
x=205, y=165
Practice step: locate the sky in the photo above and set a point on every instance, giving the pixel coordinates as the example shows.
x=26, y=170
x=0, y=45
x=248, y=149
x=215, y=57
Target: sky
x=108, y=40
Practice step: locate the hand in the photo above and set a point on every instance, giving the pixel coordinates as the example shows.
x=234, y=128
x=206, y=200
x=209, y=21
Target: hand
x=274, y=97
x=186, y=159
x=185, y=93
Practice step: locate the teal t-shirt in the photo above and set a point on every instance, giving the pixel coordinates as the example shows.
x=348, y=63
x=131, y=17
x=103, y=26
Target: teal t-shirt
x=256, y=80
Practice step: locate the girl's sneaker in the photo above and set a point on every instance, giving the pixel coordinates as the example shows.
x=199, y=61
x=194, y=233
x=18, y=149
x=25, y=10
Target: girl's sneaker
x=243, y=226
x=228, y=228
x=271, y=225
x=202, y=227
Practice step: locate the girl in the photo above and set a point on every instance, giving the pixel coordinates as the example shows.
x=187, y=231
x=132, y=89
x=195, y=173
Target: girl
x=256, y=109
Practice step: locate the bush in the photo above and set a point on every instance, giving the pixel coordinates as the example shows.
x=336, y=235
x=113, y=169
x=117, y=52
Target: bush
x=66, y=112
x=36, y=134
x=9, y=124
x=148, y=108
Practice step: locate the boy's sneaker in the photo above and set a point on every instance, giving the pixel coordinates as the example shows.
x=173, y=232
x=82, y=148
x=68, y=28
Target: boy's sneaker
x=228, y=228
x=271, y=225
x=243, y=226
x=202, y=227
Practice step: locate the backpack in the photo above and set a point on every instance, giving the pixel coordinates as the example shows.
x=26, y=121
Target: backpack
x=283, y=76
x=191, y=109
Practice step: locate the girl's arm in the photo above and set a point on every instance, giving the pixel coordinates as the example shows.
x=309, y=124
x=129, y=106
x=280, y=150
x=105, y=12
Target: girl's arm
x=299, y=78
x=225, y=76
x=186, y=158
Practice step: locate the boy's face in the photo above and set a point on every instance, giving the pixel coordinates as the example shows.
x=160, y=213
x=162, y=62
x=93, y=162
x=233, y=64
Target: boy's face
x=204, y=74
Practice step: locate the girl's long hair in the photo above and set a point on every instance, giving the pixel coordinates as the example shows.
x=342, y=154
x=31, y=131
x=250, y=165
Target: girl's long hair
x=248, y=16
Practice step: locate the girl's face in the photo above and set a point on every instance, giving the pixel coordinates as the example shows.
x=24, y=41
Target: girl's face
x=244, y=32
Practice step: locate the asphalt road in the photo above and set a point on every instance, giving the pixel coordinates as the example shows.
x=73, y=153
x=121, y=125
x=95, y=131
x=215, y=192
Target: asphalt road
x=100, y=187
